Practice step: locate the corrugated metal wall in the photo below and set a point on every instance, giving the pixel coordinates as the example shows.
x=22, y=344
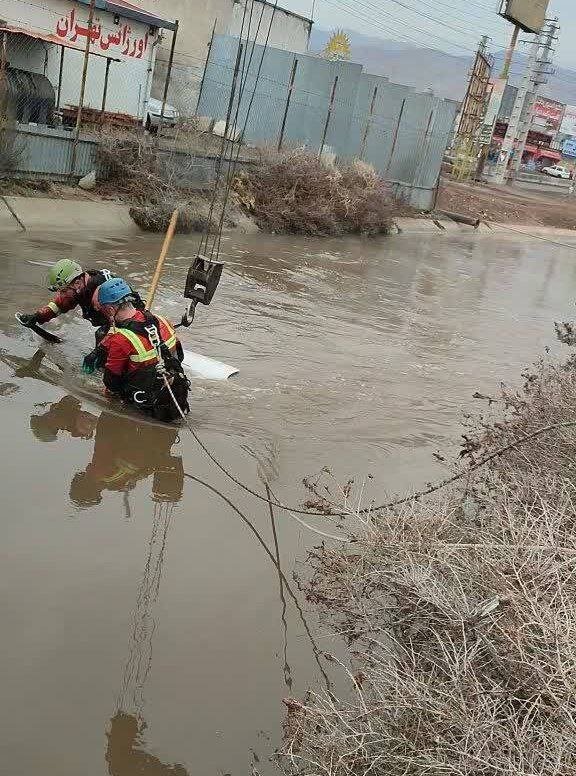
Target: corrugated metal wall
x=43, y=152
x=334, y=105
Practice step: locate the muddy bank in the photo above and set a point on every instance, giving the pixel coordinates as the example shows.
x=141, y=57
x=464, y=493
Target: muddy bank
x=507, y=204
x=459, y=609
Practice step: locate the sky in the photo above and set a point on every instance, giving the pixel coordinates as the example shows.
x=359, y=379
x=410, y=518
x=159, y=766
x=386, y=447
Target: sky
x=451, y=25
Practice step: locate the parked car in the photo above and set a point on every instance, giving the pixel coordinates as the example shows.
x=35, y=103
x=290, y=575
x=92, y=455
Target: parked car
x=557, y=171
x=154, y=117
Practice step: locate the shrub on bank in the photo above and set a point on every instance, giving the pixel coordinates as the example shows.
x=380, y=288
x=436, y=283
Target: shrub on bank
x=296, y=193
x=460, y=613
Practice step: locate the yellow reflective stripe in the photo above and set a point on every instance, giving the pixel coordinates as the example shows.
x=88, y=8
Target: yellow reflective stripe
x=134, y=340
x=142, y=358
x=124, y=469
x=171, y=341
x=144, y=354
x=54, y=307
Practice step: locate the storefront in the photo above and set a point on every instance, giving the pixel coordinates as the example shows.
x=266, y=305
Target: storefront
x=50, y=39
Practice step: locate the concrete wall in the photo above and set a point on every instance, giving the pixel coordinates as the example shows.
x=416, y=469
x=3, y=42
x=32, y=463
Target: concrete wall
x=288, y=31
x=129, y=41
x=196, y=21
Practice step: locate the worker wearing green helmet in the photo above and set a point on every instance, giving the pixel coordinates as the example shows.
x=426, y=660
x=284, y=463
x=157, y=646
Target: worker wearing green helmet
x=76, y=287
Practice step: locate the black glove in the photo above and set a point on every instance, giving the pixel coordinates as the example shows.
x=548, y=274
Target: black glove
x=28, y=320
x=94, y=360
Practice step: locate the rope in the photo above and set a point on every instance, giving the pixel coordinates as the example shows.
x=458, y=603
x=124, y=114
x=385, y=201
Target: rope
x=241, y=484
x=293, y=511
x=315, y=649
x=533, y=236
x=233, y=166
x=206, y=233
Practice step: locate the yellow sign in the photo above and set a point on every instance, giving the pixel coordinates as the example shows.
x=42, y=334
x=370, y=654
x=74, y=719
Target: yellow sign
x=338, y=47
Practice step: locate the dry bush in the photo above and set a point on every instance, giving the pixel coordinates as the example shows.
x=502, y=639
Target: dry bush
x=156, y=218
x=460, y=613
x=296, y=193
x=129, y=162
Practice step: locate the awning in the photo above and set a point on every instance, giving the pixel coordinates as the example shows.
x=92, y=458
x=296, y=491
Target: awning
x=130, y=11
x=537, y=151
x=49, y=38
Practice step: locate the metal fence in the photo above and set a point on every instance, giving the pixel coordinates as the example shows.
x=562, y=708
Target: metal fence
x=50, y=123
x=44, y=152
x=286, y=99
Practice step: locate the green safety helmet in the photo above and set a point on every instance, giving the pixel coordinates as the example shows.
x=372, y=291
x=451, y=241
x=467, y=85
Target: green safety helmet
x=62, y=273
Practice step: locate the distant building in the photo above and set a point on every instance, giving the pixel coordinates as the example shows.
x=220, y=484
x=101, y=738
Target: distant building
x=197, y=20
x=289, y=30
x=542, y=146
x=48, y=40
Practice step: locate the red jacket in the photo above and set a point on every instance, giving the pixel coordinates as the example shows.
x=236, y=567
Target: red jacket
x=124, y=357
x=83, y=291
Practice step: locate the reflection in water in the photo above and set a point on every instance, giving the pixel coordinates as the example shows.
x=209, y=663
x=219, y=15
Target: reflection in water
x=124, y=755
x=275, y=560
x=287, y=669
x=125, y=452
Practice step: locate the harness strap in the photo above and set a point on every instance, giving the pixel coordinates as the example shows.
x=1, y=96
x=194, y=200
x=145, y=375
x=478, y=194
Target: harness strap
x=151, y=330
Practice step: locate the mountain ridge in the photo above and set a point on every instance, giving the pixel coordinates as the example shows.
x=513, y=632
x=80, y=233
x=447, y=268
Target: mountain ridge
x=428, y=68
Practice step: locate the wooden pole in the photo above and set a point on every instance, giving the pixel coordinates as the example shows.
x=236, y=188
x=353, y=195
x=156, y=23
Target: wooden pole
x=60, y=73
x=105, y=92
x=161, y=258
x=206, y=64
x=169, y=72
x=82, y=88
x=287, y=106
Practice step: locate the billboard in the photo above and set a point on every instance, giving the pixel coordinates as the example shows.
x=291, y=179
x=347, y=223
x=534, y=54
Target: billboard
x=569, y=148
x=547, y=115
x=568, y=126
x=529, y=15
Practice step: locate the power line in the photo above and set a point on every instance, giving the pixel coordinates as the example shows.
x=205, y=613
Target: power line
x=418, y=12
x=389, y=29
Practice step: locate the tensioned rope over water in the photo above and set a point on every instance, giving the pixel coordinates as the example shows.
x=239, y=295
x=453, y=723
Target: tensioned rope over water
x=373, y=508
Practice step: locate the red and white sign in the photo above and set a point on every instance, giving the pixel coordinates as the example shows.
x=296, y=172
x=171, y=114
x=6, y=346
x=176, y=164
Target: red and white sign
x=119, y=39
x=127, y=41
x=547, y=115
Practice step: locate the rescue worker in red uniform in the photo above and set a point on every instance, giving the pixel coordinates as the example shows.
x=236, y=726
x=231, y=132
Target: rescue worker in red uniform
x=144, y=357
x=77, y=288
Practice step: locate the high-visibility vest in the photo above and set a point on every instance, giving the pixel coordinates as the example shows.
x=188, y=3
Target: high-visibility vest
x=146, y=352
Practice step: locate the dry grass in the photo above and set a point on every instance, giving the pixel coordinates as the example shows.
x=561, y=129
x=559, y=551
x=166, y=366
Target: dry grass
x=134, y=169
x=295, y=193
x=460, y=614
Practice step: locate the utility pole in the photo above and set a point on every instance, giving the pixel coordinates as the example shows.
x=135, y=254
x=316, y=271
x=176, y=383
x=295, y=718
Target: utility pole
x=550, y=35
x=466, y=142
x=501, y=81
x=487, y=131
x=521, y=116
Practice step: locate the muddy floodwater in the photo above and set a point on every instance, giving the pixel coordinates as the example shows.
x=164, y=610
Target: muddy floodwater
x=144, y=621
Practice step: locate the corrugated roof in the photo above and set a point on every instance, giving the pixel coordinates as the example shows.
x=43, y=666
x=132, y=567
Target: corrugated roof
x=131, y=11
